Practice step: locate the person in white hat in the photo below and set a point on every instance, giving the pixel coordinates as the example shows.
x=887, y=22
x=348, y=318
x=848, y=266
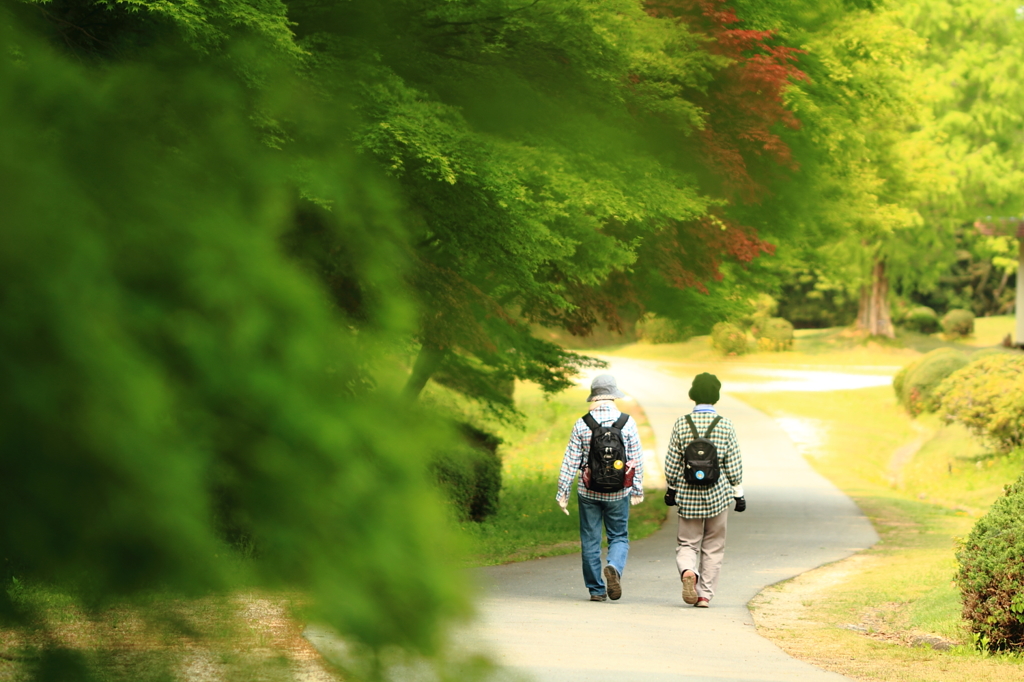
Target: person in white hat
x=605, y=447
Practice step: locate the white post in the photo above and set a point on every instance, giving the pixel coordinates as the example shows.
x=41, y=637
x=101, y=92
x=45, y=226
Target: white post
x=1019, y=311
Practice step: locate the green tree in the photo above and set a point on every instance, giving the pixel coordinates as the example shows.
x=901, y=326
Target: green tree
x=970, y=80
x=173, y=382
x=538, y=149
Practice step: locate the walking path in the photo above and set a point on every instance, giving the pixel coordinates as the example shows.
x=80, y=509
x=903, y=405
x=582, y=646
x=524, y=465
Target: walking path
x=535, y=618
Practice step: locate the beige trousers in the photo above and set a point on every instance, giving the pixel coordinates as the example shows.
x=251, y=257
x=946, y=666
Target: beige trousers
x=700, y=549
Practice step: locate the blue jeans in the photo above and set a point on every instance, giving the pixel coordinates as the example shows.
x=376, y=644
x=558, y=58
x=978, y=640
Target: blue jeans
x=615, y=516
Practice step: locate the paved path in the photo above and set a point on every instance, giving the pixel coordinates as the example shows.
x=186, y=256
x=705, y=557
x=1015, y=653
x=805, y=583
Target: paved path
x=536, y=620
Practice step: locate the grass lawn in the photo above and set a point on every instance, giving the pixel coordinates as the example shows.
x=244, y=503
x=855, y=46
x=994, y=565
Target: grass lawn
x=879, y=614
x=529, y=523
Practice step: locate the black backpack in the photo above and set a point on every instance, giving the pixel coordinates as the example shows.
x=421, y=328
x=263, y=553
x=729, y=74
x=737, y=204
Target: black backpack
x=700, y=457
x=607, y=459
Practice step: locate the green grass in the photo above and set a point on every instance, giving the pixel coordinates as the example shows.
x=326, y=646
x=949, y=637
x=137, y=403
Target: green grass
x=529, y=523
x=990, y=331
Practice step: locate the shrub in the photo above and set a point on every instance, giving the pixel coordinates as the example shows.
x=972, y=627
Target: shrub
x=729, y=339
x=922, y=319
x=776, y=335
x=991, y=573
x=958, y=323
x=470, y=475
x=659, y=330
x=987, y=396
x=916, y=383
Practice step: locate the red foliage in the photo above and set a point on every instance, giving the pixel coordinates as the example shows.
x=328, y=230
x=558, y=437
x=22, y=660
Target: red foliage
x=689, y=254
x=744, y=103
x=686, y=255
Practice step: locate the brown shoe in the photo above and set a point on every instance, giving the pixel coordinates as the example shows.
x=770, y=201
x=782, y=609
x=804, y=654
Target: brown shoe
x=702, y=603
x=599, y=597
x=611, y=578
x=689, y=579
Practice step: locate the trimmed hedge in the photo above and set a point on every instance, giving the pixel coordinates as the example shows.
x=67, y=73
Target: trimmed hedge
x=729, y=339
x=958, y=323
x=915, y=384
x=987, y=396
x=922, y=319
x=470, y=476
x=991, y=574
x=776, y=335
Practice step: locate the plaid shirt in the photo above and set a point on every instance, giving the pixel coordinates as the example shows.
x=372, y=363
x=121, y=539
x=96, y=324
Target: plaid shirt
x=605, y=412
x=696, y=502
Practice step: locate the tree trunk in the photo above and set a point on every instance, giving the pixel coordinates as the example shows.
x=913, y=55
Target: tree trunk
x=873, y=316
x=427, y=362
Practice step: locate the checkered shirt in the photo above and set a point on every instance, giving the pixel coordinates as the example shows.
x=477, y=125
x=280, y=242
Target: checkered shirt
x=605, y=413
x=696, y=502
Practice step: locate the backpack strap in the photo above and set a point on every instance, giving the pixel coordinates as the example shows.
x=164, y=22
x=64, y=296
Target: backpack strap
x=620, y=422
x=592, y=424
x=707, y=434
x=693, y=428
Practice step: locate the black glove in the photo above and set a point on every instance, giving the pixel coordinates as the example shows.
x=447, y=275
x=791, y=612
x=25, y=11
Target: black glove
x=670, y=497
x=741, y=504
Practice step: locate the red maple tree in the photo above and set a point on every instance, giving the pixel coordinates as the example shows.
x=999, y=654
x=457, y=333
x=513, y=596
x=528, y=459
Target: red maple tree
x=744, y=104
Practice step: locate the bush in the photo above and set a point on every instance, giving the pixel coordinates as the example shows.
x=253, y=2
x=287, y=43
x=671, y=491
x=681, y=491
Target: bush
x=991, y=574
x=659, y=330
x=915, y=384
x=776, y=335
x=470, y=476
x=987, y=396
x=922, y=319
x=729, y=339
x=958, y=323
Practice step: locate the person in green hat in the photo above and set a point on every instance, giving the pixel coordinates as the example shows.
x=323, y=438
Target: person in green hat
x=704, y=472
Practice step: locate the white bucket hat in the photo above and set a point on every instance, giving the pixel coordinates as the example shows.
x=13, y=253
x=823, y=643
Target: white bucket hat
x=603, y=388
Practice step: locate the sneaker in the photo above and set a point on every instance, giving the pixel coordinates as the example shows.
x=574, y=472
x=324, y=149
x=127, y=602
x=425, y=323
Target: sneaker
x=598, y=597
x=611, y=578
x=702, y=603
x=689, y=579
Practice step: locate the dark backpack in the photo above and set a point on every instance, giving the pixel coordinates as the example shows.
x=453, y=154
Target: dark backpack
x=700, y=457
x=605, y=467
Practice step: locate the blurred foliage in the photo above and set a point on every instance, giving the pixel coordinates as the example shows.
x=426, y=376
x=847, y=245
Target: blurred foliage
x=921, y=319
x=916, y=383
x=775, y=335
x=991, y=574
x=987, y=396
x=958, y=323
x=810, y=299
x=729, y=339
x=470, y=475
x=660, y=330
x=981, y=279
x=175, y=389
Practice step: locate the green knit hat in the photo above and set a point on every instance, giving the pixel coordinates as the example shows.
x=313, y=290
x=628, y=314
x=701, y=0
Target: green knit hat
x=705, y=389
